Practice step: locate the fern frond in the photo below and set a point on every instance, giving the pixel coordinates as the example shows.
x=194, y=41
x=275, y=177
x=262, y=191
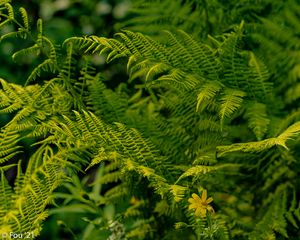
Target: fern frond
x=196, y=171
x=33, y=50
x=42, y=176
x=104, y=102
x=24, y=17
x=248, y=147
x=204, y=55
x=290, y=214
x=174, y=62
x=289, y=119
x=207, y=93
x=177, y=192
x=103, y=156
x=258, y=121
x=3, y=2
x=135, y=152
x=46, y=66
x=10, y=11
x=6, y=193
x=2, y=24
x=201, y=170
x=273, y=220
x=40, y=30
x=290, y=133
x=12, y=97
x=8, y=145
x=234, y=65
x=293, y=94
x=231, y=100
x=260, y=75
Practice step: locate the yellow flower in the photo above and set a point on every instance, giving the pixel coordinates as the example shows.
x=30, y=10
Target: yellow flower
x=201, y=205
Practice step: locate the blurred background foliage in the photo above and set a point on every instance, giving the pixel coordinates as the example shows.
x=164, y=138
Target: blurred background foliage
x=62, y=19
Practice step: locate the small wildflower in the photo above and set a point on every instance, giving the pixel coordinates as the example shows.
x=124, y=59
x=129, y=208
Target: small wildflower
x=201, y=205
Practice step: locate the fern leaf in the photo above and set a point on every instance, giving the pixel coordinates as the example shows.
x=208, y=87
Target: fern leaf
x=33, y=50
x=231, y=101
x=290, y=133
x=10, y=11
x=39, y=26
x=24, y=17
x=3, y=2
x=290, y=214
x=103, y=156
x=7, y=35
x=205, y=58
x=6, y=193
x=8, y=145
x=207, y=92
x=234, y=65
x=258, y=121
x=45, y=66
x=292, y=94
x=260, y=76
x=248, y=147
x=273, y=220
x=201, y=170
x=177, y=192
x=42, y=176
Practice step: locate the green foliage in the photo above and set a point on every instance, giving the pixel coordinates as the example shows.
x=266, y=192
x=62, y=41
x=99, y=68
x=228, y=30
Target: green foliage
x=86, y=158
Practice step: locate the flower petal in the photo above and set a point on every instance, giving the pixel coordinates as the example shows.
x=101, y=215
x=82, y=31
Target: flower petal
x=196, y=197
x=192, y=206
x=210, y=209
x=204, y=196
x=198, y=211
x=209, y=200
x=203, y=212
x=191, y=200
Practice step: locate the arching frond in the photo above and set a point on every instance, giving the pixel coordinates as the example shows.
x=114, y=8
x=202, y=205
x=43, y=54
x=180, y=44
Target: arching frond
x=197, y=171
x=174, y=62
x=46, y=66
x=290, y=133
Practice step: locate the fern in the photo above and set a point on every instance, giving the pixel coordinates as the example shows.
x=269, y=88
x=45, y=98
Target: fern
x=44, y=173
x=257, y=119
x=197, y=112
x=230, y=102
x=273, y=221
x=281, y=140
x=207, y=92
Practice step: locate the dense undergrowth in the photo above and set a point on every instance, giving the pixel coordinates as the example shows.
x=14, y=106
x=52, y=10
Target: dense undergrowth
x=199, y=140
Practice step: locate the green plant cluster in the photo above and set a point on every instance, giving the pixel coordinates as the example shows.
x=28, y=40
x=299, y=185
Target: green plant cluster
x=199, y=140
